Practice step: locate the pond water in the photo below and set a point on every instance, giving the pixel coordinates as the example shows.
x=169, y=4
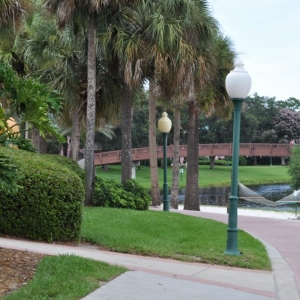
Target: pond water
x=218, y=196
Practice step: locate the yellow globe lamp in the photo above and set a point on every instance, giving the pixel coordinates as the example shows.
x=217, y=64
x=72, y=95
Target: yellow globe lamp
x=11, y=127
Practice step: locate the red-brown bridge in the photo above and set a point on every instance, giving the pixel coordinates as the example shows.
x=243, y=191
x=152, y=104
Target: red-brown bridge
x=103, y=158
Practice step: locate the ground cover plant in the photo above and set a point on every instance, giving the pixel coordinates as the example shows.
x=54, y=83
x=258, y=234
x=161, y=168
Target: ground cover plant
x=219, y=176
x=169, y=235
x=52, y=279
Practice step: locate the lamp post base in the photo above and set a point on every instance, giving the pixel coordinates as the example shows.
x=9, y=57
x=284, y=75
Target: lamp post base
x=232, y=230
x=166, y=206
x=232, y=242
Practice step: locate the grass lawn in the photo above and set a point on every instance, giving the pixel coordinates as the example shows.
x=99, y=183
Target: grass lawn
x=169, y=235
x=162, y=234
x=65, y=277
x=220, y=176
x=152, y=233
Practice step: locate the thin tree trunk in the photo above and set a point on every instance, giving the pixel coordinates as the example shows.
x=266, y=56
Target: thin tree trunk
x=255, y=160
x=196, y=161
x=191, y=202
x=126, y=162
x=43, y=145
x=176, y=158
x=75, y=135
x=152, y=148
x=91, y=111
x=212, y=162
x=40, y=144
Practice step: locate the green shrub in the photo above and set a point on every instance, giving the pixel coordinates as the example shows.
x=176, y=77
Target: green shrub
x=48, y=204
x=20, y=143
x=242, y=160
x=218, y=162
x=294, y=167
x=68, y=163
x=110, y=193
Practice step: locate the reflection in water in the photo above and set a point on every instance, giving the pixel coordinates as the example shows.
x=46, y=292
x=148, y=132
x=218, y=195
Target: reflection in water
x=218, y=196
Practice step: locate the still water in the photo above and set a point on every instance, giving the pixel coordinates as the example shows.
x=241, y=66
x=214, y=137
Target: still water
x=219, y=195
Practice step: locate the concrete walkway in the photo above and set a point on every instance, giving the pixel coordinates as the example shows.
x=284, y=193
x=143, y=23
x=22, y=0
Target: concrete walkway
x=155, y=278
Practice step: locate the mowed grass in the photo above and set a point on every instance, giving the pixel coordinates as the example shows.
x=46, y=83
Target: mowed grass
x=170, y=235
x=220, y=176
x=65, y=277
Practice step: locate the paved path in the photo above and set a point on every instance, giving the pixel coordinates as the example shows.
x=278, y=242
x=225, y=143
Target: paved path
x=155, y=278
x=282, y=236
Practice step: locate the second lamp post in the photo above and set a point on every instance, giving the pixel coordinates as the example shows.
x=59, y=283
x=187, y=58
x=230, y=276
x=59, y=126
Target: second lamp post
x=164, y=126
x=238, y=84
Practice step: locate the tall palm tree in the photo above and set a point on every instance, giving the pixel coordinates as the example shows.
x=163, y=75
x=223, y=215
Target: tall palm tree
x=11, y=12
x=170, y=47
x=209, y=95
x=176, y=27
x=84, y=13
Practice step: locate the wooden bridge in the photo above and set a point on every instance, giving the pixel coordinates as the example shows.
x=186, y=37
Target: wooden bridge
x=104, y=158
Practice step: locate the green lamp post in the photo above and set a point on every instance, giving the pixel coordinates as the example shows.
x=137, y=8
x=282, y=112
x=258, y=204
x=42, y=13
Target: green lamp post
x=164, y=126
x=238, y=84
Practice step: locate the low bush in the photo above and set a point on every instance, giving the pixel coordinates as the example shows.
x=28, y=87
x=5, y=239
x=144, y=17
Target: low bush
x=48, y=203
x=110, y=193
x=242, y=160
x=69, y=164
x=218, y=162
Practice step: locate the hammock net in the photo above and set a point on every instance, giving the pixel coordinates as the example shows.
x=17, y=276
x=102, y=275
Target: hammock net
x=249, y=195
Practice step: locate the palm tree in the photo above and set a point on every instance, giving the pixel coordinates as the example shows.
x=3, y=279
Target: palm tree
x=11, y=12
x=209, y=95
x=172, y=32
x=84, y=14
x=170, y=47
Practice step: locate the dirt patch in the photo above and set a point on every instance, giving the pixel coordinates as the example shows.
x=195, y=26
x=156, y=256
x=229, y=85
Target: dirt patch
x=16, y=269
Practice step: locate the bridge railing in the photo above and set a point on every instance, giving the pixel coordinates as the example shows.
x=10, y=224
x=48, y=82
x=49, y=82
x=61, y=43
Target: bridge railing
x=246, y=149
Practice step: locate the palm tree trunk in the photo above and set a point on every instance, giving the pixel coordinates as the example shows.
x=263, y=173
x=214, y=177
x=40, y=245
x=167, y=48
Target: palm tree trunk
x=126, y=162
x=75, y=134
x=152, y=146
x=91, y=111
x=196, y=161
x=176, y=158
x=212, y=162
x=40, y=144
x=191, y=201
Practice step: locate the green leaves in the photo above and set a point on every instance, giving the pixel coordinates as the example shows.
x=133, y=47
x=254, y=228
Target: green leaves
x=8, y=174
x=30, y=100
x=110, y=193
x=294, y=168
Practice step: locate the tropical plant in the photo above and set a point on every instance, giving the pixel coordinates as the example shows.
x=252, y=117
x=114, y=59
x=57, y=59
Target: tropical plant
x=208, y=95
x=11, y=12
x=29, y=101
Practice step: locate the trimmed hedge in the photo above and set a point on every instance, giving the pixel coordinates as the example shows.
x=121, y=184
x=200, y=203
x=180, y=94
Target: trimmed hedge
x=110, y=193
x=68, y=163
x=48, y=204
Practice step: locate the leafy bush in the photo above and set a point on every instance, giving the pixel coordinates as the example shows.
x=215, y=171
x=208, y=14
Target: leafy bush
x=8, y=174
x=242, y=160
x=218, y=162
x=110, y=193
x=69, y=164
x=48, y=204
x=20, y=143
x=294, y=168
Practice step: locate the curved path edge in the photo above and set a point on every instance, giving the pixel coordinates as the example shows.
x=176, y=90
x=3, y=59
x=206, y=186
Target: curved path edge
x=282, y=241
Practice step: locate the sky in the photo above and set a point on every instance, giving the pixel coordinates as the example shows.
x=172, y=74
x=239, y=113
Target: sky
x=266, y=36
